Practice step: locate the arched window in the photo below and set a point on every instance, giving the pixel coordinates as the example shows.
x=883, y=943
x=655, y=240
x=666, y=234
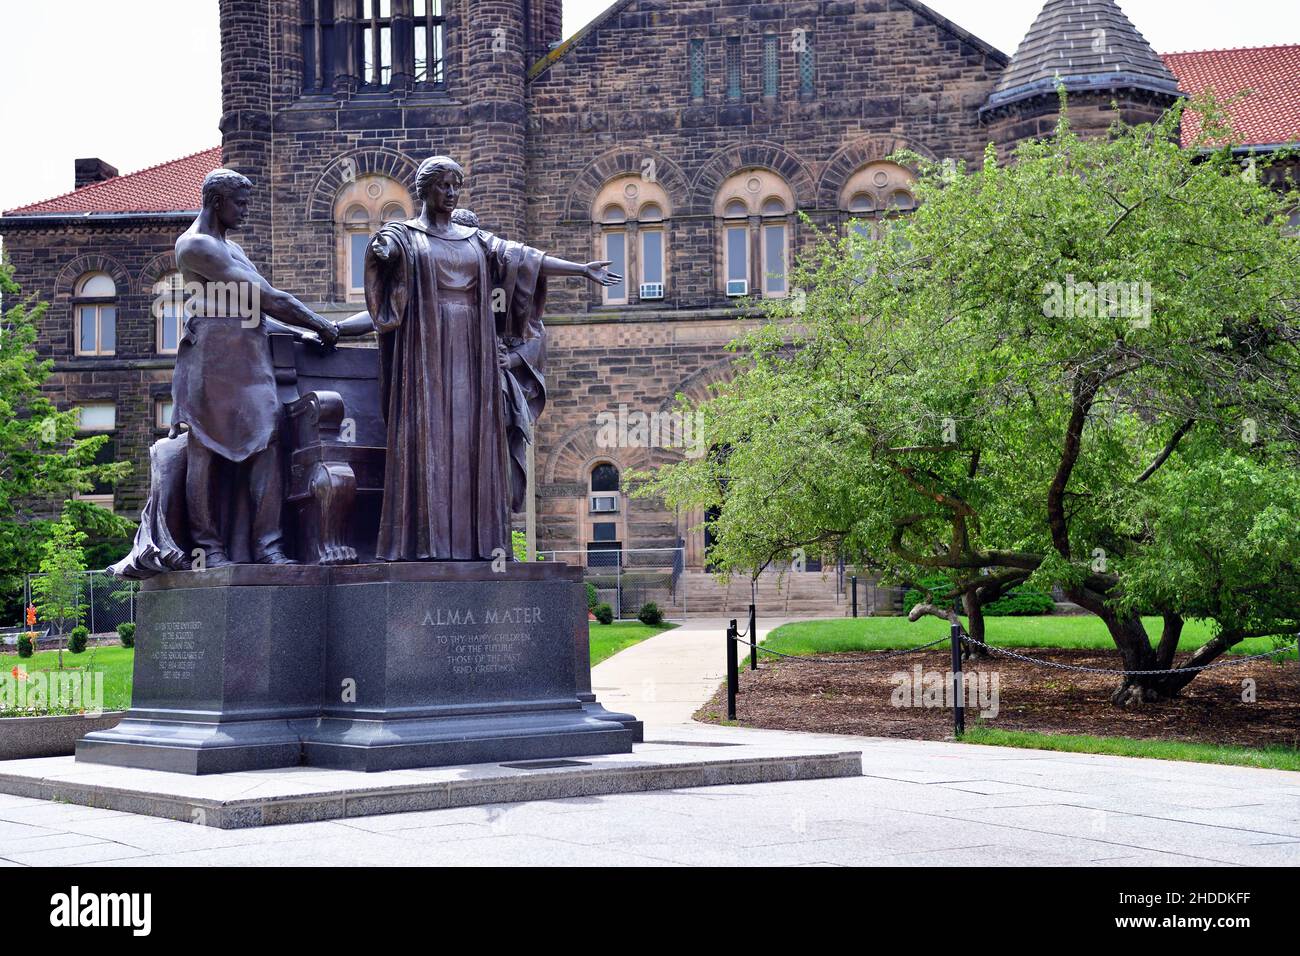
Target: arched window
x=360, y=208
x=755, y=208
x=604, y=546
x=631, y=215
x=169, y=312
x=94, y=305
x=604, y=477
x=876, y=193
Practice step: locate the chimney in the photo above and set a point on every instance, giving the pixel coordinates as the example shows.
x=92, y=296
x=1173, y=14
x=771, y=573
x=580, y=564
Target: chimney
x=93, y=170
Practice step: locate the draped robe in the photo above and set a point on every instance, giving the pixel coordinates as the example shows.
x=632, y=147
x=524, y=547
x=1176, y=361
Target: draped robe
x=457, y=424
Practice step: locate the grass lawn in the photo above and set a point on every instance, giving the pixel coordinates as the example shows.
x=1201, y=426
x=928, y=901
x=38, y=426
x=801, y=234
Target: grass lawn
x=608, y=639
x=1273, y=758
x=114, y=662
x=1084, y=632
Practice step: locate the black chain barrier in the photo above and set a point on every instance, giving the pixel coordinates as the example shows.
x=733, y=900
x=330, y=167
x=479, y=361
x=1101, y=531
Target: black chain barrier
x=877, y=656
x=1056, y=665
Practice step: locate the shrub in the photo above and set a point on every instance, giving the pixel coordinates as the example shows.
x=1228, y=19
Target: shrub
x=650, y=614
x=604, y=613
x=593, y=596
x=26, y=644
x=77, y=639
x=1021, y=602
x=126, y=633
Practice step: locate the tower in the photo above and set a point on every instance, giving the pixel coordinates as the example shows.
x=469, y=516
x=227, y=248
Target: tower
x=246, y=128
x=495, y=58
x=1095, y=51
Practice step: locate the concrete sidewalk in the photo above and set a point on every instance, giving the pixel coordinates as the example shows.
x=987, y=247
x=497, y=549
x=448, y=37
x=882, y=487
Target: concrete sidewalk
x=919, y=803
x=665, y=679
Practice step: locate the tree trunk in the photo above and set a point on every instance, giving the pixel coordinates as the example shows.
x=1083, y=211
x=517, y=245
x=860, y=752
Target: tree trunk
x=975, y=621
x=1173, y=630
x=1135, y=650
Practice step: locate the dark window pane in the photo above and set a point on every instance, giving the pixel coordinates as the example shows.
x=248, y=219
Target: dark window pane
x=106, y=455
x=807, y=74
x=652, y=256
x=737, y=236
x=604, y=478
x=604, y=531
x=358, y=242
x=697, y=69
x=86, y=331
x=107, y=328
x=170, y=326
x=616, y=253
x=774, y=266
x=771, y=65
x=733, y=68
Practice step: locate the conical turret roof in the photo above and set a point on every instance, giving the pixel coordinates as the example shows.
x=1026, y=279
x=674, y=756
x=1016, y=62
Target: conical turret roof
x=1089, y=45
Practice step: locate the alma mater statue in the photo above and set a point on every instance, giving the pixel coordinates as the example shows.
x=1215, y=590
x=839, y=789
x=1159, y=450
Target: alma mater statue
x=463, y=354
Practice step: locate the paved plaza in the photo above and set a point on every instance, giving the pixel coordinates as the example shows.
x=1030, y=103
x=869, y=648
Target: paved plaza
x=917, y=803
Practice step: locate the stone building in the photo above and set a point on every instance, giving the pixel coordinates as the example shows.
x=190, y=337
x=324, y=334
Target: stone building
x=679, y=138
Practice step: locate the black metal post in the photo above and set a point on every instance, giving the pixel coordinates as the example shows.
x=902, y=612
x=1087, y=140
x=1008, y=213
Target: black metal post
x=733, y=671
x=753, y=639
x=853, y=583
x=958, y=691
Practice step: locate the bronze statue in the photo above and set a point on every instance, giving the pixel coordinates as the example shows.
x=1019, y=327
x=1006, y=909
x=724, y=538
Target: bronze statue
x=463, y=355
x=224, y=387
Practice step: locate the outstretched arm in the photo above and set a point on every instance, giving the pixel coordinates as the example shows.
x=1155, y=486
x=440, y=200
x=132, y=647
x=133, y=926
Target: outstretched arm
x=597, y=272
x=213, y=260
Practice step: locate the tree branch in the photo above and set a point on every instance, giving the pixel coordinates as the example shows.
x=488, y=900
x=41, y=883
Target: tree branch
x=1168, y=450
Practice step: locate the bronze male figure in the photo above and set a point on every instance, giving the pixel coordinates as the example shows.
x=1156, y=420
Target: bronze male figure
x=224, y=386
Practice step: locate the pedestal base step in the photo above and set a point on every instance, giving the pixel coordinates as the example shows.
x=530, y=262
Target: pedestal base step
x=304, y=794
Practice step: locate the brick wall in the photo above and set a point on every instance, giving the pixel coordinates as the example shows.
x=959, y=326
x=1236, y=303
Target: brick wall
x=47, y=262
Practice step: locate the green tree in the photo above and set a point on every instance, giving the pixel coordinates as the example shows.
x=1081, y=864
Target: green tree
x=1078, y=369
x=57, y=590
x=42, y=462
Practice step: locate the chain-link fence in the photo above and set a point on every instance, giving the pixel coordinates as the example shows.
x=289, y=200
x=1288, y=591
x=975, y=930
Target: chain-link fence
x=627, y=579
x=109, y=601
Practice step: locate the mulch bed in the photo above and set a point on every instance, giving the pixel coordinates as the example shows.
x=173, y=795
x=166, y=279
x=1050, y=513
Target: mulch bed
x=857, y=699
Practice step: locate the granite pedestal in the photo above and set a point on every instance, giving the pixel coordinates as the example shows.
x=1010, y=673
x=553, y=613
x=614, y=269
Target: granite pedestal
x=362, y=667
x=226, y=662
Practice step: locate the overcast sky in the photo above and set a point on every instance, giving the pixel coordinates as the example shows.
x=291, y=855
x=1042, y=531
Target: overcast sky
x=138, y=83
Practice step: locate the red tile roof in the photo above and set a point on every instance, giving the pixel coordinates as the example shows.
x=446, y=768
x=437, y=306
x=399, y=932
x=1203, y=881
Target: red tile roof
x=1270, y=114
x=175, y=186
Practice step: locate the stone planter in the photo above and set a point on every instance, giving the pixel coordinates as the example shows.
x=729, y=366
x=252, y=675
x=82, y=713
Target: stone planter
x=49, y=736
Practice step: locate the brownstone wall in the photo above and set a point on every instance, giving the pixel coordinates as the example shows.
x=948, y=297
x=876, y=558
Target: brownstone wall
x=47, y=262
x=1090, y=115
x=886, y=78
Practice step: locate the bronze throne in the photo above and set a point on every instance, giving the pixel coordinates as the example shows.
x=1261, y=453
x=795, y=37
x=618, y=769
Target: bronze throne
x=334, y=442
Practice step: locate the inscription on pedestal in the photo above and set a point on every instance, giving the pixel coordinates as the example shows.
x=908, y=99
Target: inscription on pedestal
x=179, y=652
x=482, y=652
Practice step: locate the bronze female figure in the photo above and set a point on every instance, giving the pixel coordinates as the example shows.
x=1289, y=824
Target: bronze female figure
x=463, y=355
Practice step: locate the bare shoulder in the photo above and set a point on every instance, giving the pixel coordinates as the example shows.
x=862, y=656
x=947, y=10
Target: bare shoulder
x=199, y=247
